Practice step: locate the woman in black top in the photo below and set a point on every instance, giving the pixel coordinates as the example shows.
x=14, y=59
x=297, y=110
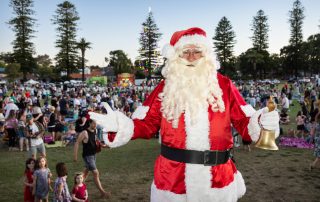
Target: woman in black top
x=87, y=138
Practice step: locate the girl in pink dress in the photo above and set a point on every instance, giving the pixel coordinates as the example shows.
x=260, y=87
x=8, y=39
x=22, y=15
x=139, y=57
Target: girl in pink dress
x=28, y=180
x=79, y=191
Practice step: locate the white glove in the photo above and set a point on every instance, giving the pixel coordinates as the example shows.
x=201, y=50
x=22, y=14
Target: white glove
x=107, y=121
x=270, y=120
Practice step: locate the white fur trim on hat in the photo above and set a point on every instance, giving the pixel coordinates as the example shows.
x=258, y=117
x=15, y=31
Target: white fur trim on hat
x=125, y=132
x=195, y=39
x=140, y=112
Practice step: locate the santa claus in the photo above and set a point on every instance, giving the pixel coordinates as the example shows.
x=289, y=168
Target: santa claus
x=194, y=108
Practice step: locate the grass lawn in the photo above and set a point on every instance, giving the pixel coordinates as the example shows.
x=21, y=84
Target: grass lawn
x=128, y=171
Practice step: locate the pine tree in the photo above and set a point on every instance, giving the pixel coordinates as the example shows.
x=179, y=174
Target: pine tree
x=296, y=36
x=296, y=22
x=66, y=18
x=224, y=40
x=149, y=38
x=22, y=24
x=260, y=30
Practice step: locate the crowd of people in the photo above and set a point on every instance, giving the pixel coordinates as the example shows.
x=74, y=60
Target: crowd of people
x=31, y=116
x=307, y=95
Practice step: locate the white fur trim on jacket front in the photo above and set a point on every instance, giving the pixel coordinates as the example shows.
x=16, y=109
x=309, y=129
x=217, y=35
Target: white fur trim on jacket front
x=140, y=113
x=198, y=177
x=125, y=131
x=248, y=110
x=229, y=193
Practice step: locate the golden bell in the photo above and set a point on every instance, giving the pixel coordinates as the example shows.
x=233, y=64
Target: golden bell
x=267, y=140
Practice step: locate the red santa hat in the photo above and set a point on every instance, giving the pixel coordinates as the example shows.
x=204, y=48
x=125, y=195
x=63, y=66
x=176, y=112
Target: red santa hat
x=195, y=36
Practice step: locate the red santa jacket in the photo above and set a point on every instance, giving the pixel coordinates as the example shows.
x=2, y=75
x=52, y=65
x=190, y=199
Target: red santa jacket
x=176, y=181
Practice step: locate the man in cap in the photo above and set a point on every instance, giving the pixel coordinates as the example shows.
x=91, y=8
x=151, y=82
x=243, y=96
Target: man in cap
x=194, y=108
x=35, y=132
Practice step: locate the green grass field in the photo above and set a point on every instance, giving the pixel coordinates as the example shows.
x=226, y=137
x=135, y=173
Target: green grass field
x=121, y=169
x=128, y=171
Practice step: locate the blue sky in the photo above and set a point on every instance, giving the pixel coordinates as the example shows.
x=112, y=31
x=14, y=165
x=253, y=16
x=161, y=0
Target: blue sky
x=116, y=24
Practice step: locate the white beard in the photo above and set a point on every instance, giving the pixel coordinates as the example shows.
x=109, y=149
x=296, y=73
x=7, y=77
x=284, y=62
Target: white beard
x=189, y=87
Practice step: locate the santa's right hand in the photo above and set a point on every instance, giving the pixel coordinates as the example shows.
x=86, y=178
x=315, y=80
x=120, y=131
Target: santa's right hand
x=107, y=121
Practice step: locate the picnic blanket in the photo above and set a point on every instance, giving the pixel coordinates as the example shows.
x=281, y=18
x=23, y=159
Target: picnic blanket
x=295, y=142
x=56, y=144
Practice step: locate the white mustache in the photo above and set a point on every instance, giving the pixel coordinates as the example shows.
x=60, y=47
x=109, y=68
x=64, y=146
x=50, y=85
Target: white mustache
x=190, y=64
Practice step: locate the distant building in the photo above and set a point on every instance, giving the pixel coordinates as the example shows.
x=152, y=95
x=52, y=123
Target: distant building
x=87, y=73
x=125, y=79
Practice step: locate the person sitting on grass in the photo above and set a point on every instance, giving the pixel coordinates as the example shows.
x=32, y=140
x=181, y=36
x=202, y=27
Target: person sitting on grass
x=284, y=117
x=301, y=121
x=70, y=135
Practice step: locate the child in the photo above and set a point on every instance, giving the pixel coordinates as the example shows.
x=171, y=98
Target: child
x=70, y=135
x=79, y=191
x=61, y=190
x=41, y=180
x=300, y=120
x=21, y=130
x=11, y=124
x=28, y=180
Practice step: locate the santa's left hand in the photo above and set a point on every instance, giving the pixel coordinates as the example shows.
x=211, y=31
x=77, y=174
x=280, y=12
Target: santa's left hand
x=269, y=120
x=107, y=121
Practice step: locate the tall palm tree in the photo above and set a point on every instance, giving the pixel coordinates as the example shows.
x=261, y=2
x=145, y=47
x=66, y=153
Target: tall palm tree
x=83, y=45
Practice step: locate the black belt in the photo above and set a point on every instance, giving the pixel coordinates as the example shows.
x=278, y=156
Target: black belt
x=207, y=158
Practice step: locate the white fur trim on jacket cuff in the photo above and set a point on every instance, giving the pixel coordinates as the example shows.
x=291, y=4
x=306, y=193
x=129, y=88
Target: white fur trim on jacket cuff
x=254, y=127
x=125, y=131
x=248, y=110
x=140, y=112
